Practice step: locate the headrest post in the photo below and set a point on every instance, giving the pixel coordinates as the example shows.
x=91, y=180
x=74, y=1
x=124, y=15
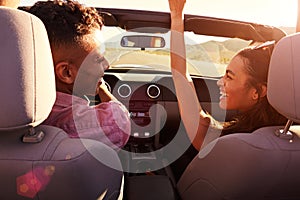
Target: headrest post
x=287, y=126
x=33, y=136
x=285, y=133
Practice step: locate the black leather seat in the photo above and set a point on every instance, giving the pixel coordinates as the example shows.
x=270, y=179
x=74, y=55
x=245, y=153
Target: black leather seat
x=37, y=161
x=264, y=164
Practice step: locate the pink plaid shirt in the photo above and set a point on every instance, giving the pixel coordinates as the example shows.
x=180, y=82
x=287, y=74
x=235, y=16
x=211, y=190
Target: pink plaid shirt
x=107, y=122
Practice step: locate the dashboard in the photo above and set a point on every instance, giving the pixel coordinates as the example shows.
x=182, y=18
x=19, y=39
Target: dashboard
x=150, y=98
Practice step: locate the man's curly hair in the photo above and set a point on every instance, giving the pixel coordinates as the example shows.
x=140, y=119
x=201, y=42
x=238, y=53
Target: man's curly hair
x=66, y=21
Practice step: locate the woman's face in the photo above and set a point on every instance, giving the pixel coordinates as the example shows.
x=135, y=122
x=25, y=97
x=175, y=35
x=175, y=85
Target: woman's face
x=236, y=94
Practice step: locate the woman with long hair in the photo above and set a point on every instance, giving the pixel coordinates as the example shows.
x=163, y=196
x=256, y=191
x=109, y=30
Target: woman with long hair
x=243, y=88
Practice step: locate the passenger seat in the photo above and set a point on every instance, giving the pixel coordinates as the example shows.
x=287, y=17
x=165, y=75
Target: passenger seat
x=264, y=164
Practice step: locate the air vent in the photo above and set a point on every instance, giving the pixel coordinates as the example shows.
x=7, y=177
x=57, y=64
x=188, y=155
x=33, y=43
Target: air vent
x=124, y=90
x=153, y=91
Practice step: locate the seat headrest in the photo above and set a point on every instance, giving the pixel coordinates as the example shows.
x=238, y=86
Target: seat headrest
x=27, y=81
x=284, y=77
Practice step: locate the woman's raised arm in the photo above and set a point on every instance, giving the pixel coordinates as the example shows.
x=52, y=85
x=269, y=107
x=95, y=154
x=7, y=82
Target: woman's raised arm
x=196, y=122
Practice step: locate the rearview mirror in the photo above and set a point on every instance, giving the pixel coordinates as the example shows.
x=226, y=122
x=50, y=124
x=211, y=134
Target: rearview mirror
x=143, y=41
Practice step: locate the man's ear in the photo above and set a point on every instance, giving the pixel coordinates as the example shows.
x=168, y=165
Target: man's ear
x=65, y=72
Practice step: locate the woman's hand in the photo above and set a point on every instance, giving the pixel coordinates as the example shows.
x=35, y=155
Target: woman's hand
x=176, y=7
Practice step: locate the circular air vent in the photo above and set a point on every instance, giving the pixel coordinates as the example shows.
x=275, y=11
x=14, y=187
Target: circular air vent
x=153, y=91
x=124, y=90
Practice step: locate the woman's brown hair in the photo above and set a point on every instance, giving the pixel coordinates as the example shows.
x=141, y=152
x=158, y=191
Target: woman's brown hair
x=256, y=65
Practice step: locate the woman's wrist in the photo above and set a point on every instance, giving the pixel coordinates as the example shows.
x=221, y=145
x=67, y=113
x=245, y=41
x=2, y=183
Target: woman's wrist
x=177, y=23
x=176, y=15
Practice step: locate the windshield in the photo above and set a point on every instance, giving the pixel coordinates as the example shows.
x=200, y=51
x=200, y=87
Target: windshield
x=206, y=55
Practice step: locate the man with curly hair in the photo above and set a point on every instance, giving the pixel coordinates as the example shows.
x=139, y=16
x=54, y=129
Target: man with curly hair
x=79, y=65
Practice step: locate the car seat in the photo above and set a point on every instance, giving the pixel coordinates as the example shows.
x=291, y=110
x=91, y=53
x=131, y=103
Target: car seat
x=264, y=164
x=38, y=161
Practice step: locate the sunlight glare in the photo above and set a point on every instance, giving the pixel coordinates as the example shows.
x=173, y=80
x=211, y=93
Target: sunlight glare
x=270, y=12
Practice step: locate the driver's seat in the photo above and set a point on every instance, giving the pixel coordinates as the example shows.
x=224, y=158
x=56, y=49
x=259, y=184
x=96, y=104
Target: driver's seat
x=37, y=161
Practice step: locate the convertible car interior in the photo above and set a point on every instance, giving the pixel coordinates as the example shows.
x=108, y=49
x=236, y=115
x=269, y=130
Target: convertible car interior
x=158, y=162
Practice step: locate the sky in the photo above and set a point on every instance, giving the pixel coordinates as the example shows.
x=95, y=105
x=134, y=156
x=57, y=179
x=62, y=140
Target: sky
x=270, y=12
